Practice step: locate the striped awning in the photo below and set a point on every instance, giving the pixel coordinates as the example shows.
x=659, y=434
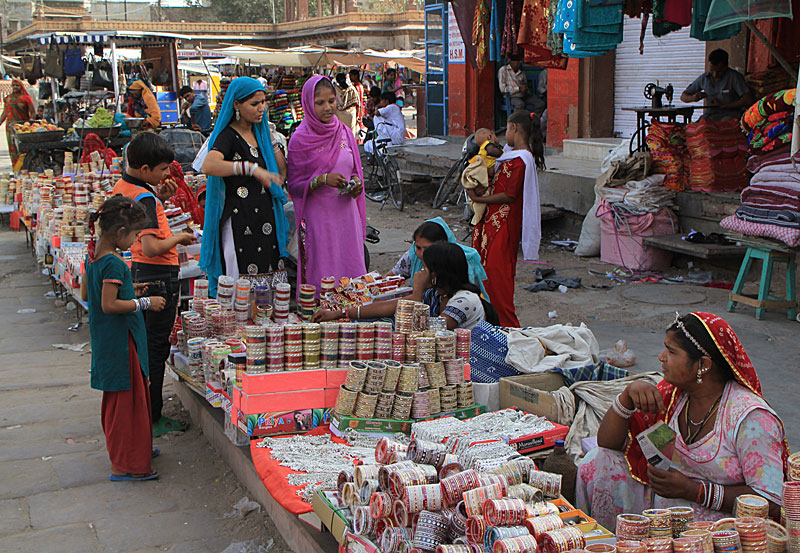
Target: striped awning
x=80, y=38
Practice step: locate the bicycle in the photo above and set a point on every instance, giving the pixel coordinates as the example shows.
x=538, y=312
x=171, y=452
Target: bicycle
x=382, y=180
x=450, y=190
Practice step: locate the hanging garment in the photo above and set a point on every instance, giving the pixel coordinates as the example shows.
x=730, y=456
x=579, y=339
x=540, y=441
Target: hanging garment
x=699, y=15
x=495, y=33
x=661, y=26
x=678, y=12
x=597, y=28
x=509, y=46
x=480, y=32
x=533, y=33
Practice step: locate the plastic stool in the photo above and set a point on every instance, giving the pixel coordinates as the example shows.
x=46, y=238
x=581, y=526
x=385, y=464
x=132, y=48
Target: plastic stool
x=768, y=257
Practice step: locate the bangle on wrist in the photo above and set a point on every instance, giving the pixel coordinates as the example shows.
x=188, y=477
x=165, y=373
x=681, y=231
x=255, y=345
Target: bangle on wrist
x=621, y=410
x=358, y=315
x=344, y=313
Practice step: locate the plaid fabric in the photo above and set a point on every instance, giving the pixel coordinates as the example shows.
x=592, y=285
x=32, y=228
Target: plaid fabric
x=594, y=373
x=488, y=353
x=790, y=236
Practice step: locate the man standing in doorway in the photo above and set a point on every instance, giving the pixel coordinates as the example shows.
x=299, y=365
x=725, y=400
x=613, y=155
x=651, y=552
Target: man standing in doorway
x=514, y=84
x=724, y=89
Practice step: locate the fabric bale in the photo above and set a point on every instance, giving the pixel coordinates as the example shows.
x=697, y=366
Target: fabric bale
x=787, y=235
x=488, y=351
x=667, y=144
x=717, y=160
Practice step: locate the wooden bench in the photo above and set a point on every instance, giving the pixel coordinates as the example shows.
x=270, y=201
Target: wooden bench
x=675, y=243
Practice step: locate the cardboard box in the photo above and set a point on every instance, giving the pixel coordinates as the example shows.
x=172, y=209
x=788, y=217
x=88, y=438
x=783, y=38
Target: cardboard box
x=531, y=393
x=543, y=440
x=282, y=401
x=292, y=381
x=335, y=377
x=330, y=396
x=214, y=394
x=391, y=426
x=353, y=543
x=330, y=517
x=281, y=422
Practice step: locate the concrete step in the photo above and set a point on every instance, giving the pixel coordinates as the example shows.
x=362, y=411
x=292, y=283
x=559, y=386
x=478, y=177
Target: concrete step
x=591, y=149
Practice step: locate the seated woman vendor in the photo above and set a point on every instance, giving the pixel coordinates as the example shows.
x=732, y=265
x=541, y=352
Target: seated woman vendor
x=430, y=232
x=442, y=283
x=728, y=442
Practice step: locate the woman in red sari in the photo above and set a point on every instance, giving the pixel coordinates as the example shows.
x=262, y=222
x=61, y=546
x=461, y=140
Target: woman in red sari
x=512, y=215
x=17, y=106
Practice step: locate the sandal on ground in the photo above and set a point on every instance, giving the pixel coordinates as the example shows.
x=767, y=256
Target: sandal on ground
x=155, y=453
x=129, y=477
x=166, y=425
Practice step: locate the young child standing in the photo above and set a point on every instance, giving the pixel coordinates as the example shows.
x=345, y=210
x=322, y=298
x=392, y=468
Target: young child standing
x=155, y=258
x=118, y=339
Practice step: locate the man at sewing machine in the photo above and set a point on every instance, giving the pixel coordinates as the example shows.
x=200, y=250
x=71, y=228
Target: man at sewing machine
x=724, y=89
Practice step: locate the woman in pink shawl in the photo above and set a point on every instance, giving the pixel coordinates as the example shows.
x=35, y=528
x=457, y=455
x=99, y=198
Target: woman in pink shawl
x=325, y=181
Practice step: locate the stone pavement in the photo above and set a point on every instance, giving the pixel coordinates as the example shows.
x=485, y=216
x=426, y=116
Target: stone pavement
x=55, y=495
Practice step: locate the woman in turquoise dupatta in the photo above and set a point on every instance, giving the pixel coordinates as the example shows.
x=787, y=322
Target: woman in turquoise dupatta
x=476, y=273
x=257, y=165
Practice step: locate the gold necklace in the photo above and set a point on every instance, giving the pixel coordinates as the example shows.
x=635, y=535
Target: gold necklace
x=693, y=436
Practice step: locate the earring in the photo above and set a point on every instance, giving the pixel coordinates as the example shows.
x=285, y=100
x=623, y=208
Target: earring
x=700, y=373
x=433, y=281
x=238, y=115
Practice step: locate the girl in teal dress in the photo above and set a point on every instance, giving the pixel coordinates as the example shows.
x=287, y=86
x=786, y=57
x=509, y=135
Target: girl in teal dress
x=118, y=334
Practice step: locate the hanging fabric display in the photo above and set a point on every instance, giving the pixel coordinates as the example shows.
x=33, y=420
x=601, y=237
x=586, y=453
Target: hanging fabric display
x=589, y=30
x=495, y=34
x=678, y=12
x=533, y=35
x=480, y=32
x=661, y=26
x=699, y=15
x=509, y=46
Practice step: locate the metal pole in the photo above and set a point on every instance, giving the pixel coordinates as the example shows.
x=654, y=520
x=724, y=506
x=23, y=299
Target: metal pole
x=115, y=73
x=125, y=7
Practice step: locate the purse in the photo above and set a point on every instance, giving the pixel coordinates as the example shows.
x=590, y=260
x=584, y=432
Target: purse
x=102, y=77
x=31, y=68
x=73, y=61
x=54, y=63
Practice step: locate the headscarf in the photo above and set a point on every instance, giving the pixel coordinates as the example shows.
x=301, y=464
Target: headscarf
x=146, y=106
x=732, y=350
x=12, y=103
x=314, y=149
x=93, y=143
x=476, y=272
x=183, y=196
x=210, y=254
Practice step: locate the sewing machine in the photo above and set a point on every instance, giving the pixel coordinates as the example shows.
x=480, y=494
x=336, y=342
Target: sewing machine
x=656, y=93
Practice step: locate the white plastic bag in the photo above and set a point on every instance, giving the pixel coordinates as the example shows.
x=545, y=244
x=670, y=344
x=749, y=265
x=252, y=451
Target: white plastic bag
x=200, y=158
x=589, y=241
x=620, y=356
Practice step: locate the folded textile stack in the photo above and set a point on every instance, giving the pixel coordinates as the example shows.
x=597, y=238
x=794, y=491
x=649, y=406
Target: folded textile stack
x=590, y=28
x=767, y=82
x=716, y=156
x=771, y=204
x=667, y=143
x=768, y=122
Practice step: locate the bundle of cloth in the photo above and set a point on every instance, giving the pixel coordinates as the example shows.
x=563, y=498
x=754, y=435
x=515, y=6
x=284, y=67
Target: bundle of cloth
x=667, y=143
x=771, y=204
x=590, y=28
x=768, y=122
x=639, y=196
x=767, y=82
x=716, y=156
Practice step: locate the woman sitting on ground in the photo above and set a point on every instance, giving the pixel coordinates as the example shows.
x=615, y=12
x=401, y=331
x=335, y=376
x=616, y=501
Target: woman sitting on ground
x=442, y=283
x=430, y=232
x=728, y=442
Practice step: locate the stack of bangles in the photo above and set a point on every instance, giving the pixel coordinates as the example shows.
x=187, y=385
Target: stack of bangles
x=244, y=168
x=319, y=180
x=620, y=409
x=141, y=304
x=711, y=495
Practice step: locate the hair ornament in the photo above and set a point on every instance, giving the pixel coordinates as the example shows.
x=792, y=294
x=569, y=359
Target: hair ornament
x=679, y=323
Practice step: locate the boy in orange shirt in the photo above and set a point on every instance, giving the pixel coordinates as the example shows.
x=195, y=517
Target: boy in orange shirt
x=154, y=255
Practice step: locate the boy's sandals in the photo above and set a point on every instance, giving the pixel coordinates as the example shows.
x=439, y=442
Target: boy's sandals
x=166, y=425
x=129, y=477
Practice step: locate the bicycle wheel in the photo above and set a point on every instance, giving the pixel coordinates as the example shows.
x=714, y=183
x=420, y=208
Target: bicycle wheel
x=396, y=191
x=375, y=188
x=449, y=182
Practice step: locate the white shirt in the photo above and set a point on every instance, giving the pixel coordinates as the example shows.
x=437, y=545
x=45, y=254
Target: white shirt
x=465, y=308
x=397, y=130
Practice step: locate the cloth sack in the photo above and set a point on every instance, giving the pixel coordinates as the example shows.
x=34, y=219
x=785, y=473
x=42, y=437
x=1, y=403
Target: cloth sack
x=535, y=350
x=622, y=241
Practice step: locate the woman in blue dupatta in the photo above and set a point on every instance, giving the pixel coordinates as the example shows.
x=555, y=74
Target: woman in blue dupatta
x=245, y=232
x=430, y=232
